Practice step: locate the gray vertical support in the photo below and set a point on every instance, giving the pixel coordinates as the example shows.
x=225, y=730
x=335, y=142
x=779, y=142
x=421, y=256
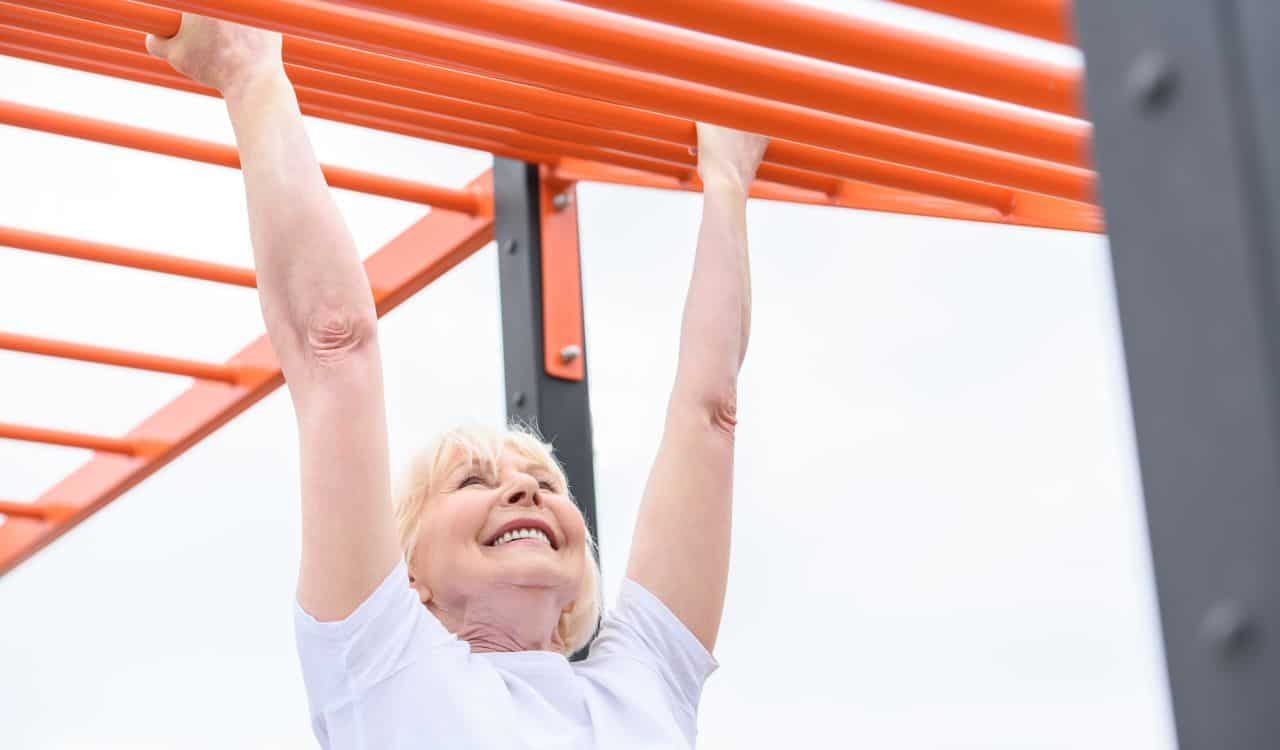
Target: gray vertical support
x=560, y=409
x=1185, y=96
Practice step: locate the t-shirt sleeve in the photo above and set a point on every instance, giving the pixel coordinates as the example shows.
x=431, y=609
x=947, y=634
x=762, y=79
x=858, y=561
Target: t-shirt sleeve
x=641, y=627
x=391, y=629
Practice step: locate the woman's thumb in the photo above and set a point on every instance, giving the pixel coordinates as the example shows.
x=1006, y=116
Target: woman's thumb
x=158, y=46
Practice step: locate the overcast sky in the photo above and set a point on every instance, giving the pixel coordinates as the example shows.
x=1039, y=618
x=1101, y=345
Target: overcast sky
x=938, y=534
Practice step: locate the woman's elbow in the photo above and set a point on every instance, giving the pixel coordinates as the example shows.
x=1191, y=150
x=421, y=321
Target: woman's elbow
x=334, y=335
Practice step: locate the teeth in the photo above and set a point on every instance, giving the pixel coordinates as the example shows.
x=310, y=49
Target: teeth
x=521, y=534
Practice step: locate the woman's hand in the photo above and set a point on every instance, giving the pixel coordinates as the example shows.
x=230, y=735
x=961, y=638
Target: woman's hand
x=219, y=54
x=729, y=157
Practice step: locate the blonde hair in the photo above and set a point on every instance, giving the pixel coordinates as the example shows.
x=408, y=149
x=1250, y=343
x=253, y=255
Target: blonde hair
x=484, y=445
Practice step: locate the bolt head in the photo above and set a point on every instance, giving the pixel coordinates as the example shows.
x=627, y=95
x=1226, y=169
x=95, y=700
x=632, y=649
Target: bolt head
x=510, y=247
x=1152, y=80
x=560, y=201
x=1230, y=630
x=518, y=400
x=570, y=353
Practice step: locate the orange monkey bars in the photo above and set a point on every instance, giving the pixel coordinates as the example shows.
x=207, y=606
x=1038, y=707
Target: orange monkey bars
x=863, y=114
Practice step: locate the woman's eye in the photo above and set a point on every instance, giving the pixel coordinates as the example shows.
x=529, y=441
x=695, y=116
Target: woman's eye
x=547, y=486
x=471, y=480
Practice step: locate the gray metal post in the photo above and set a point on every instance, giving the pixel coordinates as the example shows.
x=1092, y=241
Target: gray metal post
x=560, y=409
x=1185, y=95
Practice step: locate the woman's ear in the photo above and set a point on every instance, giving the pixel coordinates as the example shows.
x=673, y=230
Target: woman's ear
x=424, y=593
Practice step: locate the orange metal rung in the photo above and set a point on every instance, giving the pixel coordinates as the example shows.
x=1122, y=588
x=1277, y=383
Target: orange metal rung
x=119, y=358
x=43, y=511
x=780, y=78
x=387, y=34
x=872, y=45
x=102, y=131
x=120, y=446
x=44, y=47
x=119, y=256
x=1046, y=19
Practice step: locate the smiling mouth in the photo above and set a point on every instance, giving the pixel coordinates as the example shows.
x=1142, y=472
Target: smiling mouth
x=527, y=535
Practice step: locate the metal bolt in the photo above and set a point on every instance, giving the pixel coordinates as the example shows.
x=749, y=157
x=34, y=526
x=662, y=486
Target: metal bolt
x=518, y=400
x=570, y=353
x=511, y=246
x=560, y=202
x=1152, y=80
x=1230, y=630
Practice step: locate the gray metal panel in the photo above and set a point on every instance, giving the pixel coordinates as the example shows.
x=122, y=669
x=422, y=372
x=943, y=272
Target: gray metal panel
x=560, y=409
x=1184, y=96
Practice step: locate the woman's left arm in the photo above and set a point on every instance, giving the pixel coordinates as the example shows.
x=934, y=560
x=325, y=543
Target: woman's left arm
x=680, y=550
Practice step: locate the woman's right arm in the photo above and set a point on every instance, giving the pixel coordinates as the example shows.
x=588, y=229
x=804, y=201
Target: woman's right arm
x=319, y=313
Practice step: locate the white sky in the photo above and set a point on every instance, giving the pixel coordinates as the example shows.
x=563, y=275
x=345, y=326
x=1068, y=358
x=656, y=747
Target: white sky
x=938, y=538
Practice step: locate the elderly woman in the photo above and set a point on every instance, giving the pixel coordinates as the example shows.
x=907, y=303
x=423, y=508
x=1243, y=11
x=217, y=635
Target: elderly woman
x=443, y=616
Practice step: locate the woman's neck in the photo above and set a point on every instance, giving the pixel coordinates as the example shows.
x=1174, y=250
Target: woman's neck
x=509, y=618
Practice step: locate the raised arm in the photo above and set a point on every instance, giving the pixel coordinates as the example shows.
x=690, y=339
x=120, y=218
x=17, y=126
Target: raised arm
x=680, y=550
x=319, y=314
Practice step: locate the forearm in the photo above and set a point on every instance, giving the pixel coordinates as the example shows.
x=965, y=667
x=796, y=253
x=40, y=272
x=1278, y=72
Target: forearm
x=306, y=260
x=717, y=313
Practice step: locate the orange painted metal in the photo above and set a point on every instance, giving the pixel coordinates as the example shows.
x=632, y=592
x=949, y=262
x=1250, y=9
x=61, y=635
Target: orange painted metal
x=315, y=85
x=1030, y=210
x=102, y=355
x=121, y=446
x=404, y=266
x=98, y=252
x=1046, y=19
x=462, y=120
x=39, y=511
x=564, y=345
x=387, y=34
x=127, y=136
x=728, y=65
x=627, y=42
x=872, y=45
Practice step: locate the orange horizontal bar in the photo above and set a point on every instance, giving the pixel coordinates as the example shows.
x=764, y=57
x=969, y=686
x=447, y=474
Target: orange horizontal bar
x=569, y=135
x=127, y=136
x=101, y=253
x=1046, y=19
x=118, y=357
x=420, y=255
x=729, y=65
x=385, y=34
x=37, y=511
x=1030, y=210
x=75, y=440
x=872, y=45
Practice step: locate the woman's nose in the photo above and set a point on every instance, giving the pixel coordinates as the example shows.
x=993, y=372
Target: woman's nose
x=525, y=492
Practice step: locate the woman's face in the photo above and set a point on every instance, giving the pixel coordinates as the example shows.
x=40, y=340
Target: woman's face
x=465, y=547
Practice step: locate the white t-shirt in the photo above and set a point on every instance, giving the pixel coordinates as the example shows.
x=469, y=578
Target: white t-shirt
x=391, y=676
